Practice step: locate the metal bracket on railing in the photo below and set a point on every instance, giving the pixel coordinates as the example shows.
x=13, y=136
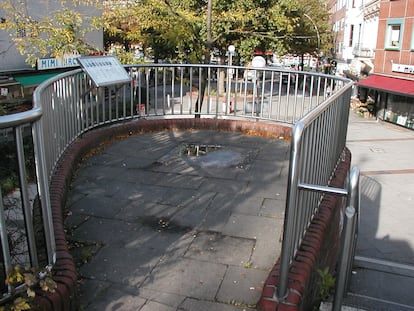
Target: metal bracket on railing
x=350, y=229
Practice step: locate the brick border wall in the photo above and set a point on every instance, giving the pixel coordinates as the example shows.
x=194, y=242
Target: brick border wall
x=65, y=274
x=319, y=249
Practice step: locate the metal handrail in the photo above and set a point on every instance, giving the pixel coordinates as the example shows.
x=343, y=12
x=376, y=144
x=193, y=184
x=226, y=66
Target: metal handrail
x=318, y=143
x=68, y=105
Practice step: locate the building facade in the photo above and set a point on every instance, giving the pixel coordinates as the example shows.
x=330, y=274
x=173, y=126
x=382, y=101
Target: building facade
x=391, y=87
x=17, y=78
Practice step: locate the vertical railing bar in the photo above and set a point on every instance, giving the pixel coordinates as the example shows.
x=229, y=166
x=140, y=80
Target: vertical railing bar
x=28, y=219
x=156, y=91
x=209, y=91
x=5, y=242
x=290, y=213
x=172, y=90
x=303, y=95
x=181, y=90
x=199, y=99
x=279, y=106
x=43, y=190
x=164, y=90
x=190, y=104
x=348, y=239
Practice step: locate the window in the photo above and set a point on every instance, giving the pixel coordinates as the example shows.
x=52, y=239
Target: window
x=351, y=35
x=394, y=33
x=412, y=39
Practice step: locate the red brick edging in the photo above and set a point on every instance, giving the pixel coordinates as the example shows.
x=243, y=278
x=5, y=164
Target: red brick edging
x=319, y=249
x=65, y=274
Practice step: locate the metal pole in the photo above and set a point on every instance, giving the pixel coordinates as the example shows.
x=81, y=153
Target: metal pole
x=348, y=240
x=43, y=189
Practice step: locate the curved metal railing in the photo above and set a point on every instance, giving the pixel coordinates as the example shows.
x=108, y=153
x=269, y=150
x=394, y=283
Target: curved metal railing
x=68, y=105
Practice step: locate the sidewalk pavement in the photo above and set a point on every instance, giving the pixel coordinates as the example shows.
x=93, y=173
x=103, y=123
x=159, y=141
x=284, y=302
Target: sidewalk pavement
x=161, y=232
x=384, y=274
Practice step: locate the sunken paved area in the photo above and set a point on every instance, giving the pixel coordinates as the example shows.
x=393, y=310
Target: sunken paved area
x=164, y=231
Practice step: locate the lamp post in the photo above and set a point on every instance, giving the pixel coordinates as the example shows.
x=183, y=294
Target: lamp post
x=230, y=50
x=316, y=29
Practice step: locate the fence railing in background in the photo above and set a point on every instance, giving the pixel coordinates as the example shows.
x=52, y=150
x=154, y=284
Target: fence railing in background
x=69, y=105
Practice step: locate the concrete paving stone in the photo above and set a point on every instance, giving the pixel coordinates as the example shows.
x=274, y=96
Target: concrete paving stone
x=99, y=206
x=237, y=203
x=275, y=150
x=115, y=298
x=186, y=197
x=134, y=209
x=273, y=208
x=173, y=165
x=231, y=173
x=103, y=158
x=223, y=185
x=89, y=186
x=107, y=231
x=141, y=176
x=141, y=192
x=156, y=306
x=191, y=304
x=193, y=217
x=266, y=252
x=180, y=181
x=164, y=238
x=100, y=172
x=242, y=286
x=267, y=189
x=215, y=218
x=218, y=248
x=128, y=266
x=152, y=150
x=90, y=291
x=388, y=155
x=193, y=278
x=251, y=227
x=263, y=169
x=164, y=298
x=136, y=162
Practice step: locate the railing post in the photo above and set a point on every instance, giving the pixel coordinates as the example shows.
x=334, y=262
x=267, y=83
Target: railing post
x=349, y=234
x=4, y=240
x=43, y=189
x=25, y=198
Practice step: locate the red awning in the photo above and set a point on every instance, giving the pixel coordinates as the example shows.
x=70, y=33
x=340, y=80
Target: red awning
x=390, y=84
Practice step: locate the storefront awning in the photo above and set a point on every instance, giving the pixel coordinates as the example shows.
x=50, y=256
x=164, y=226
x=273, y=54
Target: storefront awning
x=389, y=84
x=34, y=80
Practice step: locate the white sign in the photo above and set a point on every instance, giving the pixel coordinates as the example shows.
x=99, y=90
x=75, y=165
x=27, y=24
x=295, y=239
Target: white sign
x=104, y=70
x=61, y=62
x=403, y=68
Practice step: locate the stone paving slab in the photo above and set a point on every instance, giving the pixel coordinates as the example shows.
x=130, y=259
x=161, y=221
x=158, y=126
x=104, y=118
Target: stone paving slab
x=176, y=233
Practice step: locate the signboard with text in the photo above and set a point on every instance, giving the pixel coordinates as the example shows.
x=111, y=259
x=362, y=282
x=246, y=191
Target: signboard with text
x=104, y=70
x=53, y=63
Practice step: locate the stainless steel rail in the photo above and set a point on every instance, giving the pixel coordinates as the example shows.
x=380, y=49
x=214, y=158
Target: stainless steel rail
x=69, y=104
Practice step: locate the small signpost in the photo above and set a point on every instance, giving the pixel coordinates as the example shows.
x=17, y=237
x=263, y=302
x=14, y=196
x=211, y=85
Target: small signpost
x=104, y=70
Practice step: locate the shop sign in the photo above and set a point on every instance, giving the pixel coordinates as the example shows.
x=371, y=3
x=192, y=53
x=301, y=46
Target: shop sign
x=403, y=68
x=59, y=62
